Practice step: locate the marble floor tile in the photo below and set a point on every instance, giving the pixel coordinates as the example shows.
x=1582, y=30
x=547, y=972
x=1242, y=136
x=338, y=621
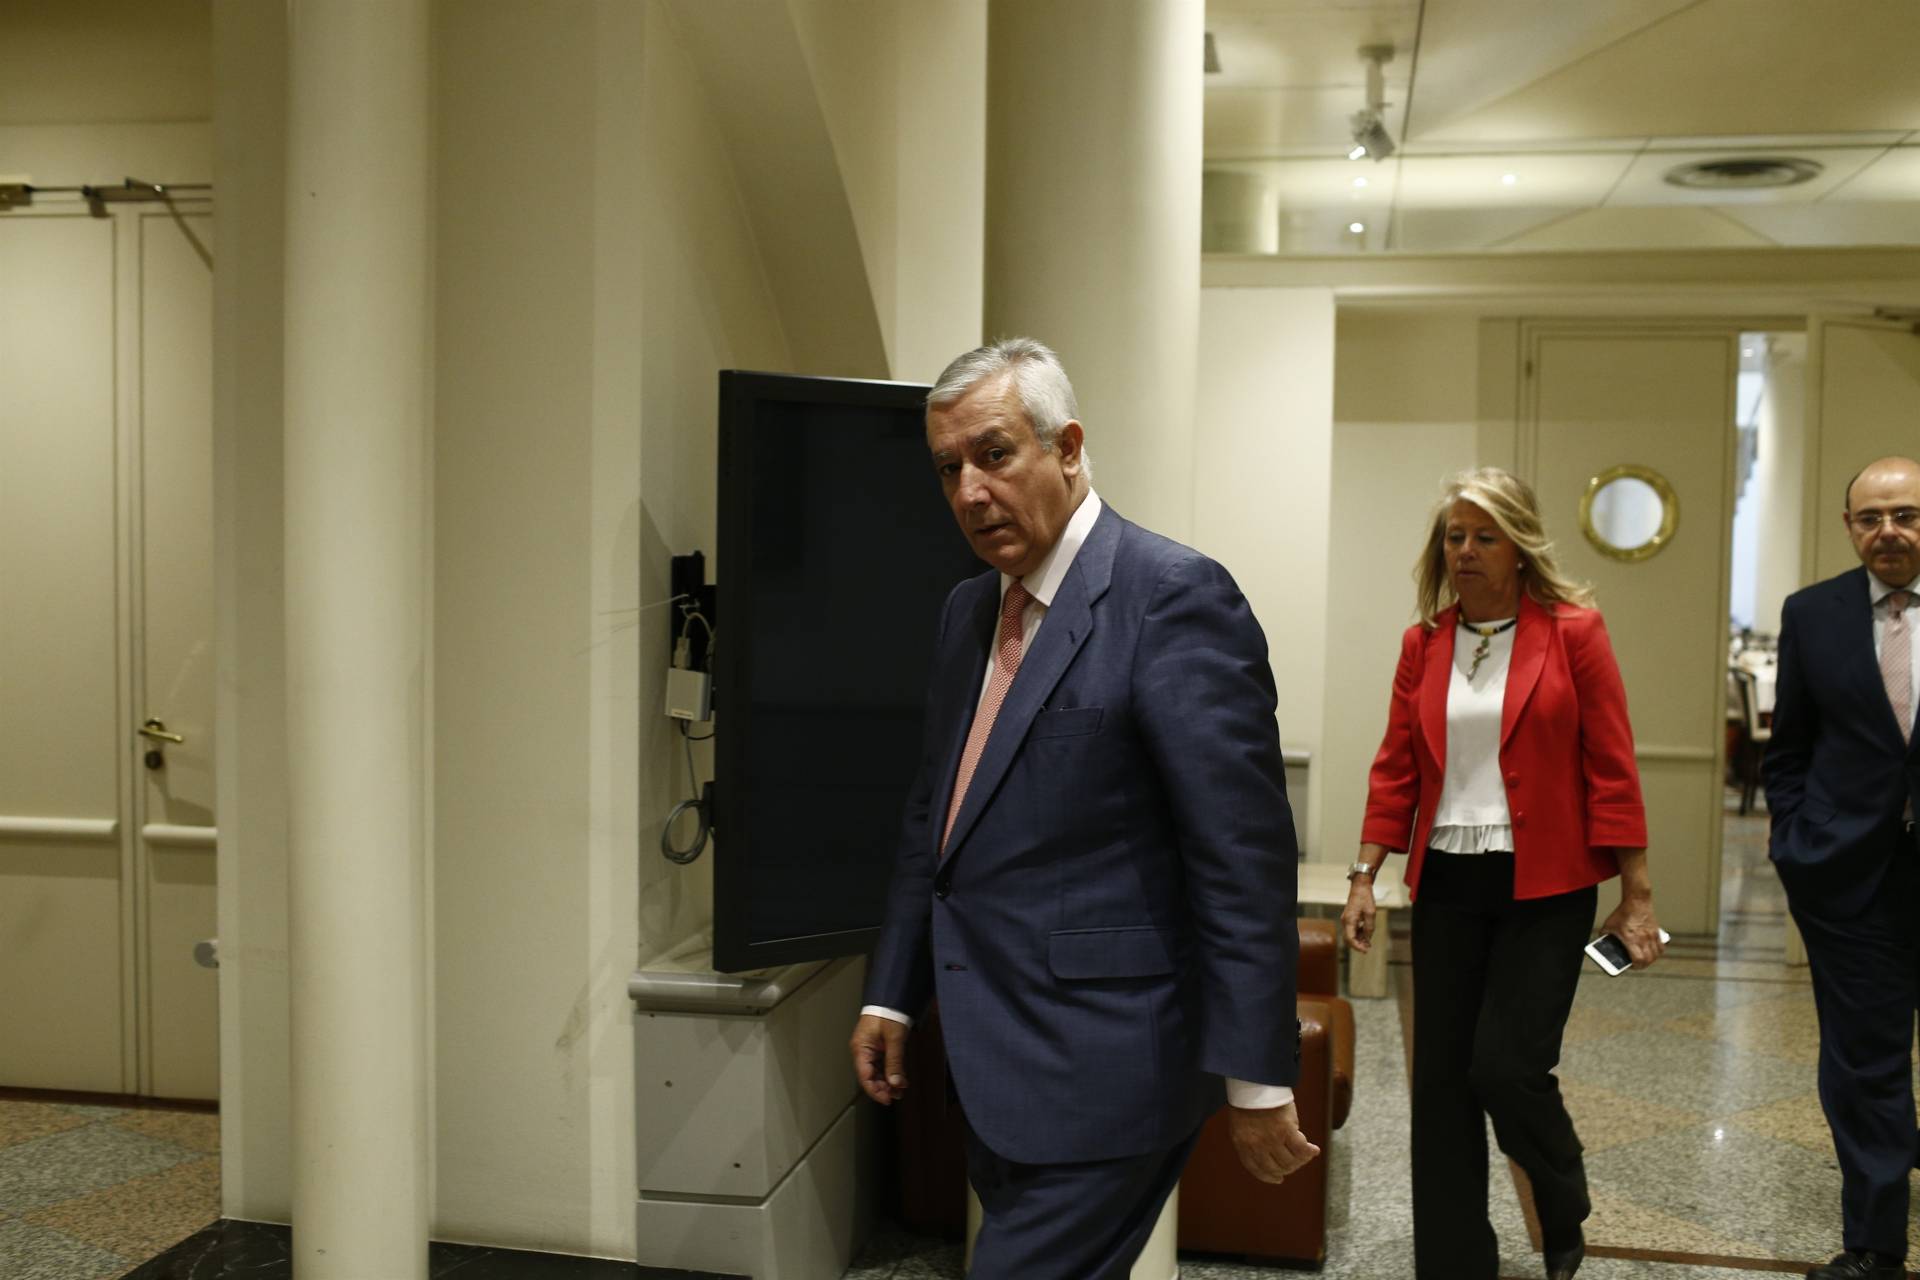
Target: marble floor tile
x=25, y=1121
x=65, y=1165
x=1784, y=1026
x=1778, y=1199
x=1704, y=1076
x=194, y=1130
x=1624, y=1223
x=144, y=1216
x=30, y=1252
x=1605, y=1119
x=1798, y=1120
x=1588, y=1022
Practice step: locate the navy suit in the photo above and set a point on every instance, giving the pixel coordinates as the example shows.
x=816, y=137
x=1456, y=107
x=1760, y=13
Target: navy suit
x=1838, y=777
x=1111, y=929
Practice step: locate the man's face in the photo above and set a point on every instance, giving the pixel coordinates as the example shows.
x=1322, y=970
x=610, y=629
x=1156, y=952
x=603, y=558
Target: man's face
x=1880, y=499
x=1011, y=496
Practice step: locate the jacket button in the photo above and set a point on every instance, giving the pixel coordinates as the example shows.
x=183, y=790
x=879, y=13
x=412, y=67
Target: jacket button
x=942, y=889
x=1513, y=779
x=1519, y=819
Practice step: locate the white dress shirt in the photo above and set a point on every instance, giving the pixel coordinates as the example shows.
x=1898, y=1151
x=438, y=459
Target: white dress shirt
x=1043, y=584
x=1878, y=592
x=1472, y=815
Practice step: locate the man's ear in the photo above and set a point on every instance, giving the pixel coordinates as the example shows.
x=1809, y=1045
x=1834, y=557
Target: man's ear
x=1069, y=442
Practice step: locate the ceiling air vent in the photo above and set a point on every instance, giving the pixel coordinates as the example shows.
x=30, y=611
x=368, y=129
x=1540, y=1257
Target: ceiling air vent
x=1746, y=173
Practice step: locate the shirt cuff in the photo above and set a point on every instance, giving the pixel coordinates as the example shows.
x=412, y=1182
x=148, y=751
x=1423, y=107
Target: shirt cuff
x=1248, y=1095
x=881, y=1011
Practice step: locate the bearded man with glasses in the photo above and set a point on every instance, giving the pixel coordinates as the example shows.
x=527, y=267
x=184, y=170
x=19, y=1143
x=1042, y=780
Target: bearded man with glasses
x=1843, y=779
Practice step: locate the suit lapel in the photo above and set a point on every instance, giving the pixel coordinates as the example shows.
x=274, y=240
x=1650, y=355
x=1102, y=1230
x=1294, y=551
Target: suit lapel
x=1064, y=631
x=1529, y=656
x=1436, y=681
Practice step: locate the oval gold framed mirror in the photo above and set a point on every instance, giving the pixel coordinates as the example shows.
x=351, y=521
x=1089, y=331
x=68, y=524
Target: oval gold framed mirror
x=1629, y=512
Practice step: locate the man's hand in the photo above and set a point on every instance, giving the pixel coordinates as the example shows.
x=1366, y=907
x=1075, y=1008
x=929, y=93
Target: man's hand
x=879, y=1048
x=1269, y=1141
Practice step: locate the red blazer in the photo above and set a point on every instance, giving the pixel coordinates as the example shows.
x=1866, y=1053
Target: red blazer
x=1566, y=750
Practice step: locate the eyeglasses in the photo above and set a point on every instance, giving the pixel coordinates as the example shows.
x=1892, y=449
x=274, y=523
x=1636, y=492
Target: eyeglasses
x=1870, y=521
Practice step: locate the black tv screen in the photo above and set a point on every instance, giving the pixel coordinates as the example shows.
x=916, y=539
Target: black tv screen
x=836, y=552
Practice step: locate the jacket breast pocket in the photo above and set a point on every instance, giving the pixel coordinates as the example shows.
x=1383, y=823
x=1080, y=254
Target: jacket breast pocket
x=1065, y=722
x=1134, y=951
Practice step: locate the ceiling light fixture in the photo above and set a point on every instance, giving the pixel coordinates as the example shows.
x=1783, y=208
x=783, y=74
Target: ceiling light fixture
x=1359, y=183
x=1356, y=227
x=1508, y=179
x=1370, y=137
x=1746, y=173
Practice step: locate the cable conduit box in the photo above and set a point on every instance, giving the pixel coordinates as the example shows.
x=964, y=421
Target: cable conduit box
x=752, y=1155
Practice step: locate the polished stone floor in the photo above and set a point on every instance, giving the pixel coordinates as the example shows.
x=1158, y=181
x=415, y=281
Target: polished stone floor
x=89, y=1191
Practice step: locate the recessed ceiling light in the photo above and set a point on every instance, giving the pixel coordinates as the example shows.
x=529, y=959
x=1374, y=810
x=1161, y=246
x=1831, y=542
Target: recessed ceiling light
x=1746, y=351
x=1359, y=182
x=1359, y=152
x=1744, y=173
x=1356, y=227
x=1508, y=179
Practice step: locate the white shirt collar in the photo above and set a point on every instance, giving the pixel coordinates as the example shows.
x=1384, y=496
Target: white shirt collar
x=1044, y=581
x=1877, y=590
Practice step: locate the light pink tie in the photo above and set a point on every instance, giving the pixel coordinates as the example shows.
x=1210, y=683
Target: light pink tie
x=1896, y=660
x=1006, y=665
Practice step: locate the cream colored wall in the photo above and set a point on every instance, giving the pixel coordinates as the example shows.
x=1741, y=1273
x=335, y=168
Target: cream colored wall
x=1405, y=408
x=1776, y=483
x=106, y=62
x=903, y=92
x=1262, y=458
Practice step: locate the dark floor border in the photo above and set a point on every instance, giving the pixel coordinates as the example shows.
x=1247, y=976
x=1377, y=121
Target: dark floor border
x=264, y=1251
x=125, y=1101
x=1777, y=1265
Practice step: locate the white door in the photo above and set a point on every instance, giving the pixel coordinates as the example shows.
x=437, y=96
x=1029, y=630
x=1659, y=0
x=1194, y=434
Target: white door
x=106, y=866
x=1655, y=395
x=1863, y=402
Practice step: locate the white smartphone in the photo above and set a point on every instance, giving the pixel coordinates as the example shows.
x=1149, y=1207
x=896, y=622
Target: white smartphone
x=1611, y=954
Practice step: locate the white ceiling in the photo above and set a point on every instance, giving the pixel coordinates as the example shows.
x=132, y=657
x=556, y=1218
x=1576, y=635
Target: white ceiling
x=1536, y=124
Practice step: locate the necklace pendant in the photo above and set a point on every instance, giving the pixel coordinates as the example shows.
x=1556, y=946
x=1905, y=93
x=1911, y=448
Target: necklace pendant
x=1479, y=656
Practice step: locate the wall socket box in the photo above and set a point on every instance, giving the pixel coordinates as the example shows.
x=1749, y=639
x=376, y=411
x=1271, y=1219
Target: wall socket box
x=689, y=694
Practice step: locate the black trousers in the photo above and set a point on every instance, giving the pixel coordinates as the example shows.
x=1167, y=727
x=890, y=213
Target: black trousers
x=1866, y=987
x=1493, y=981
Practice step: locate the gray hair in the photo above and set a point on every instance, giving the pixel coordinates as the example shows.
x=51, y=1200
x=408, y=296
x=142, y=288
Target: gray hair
x=1038, y=379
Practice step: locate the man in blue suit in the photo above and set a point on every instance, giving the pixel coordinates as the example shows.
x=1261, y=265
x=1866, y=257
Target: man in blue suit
x=1843, y=782
x=1096, y=875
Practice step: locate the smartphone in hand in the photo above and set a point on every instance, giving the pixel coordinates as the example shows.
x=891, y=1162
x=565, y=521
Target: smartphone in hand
x=1611, y=955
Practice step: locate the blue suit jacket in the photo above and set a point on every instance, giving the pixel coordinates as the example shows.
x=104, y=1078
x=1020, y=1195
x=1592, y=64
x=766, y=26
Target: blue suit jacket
x=1838, y=775
x=1111, y=929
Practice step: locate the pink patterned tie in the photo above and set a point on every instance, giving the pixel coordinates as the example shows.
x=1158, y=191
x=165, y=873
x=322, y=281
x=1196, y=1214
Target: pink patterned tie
x=1896, y=660
x=1006, y=665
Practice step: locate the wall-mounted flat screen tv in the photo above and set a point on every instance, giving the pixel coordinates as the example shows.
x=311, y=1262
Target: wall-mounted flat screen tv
x=836, y=552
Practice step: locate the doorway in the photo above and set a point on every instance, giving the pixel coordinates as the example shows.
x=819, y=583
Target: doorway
x=106, y=772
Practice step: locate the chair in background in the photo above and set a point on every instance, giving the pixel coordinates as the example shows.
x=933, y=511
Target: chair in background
x=1755, y=734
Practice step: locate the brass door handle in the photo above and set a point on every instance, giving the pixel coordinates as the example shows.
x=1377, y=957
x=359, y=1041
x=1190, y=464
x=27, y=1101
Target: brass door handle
x=157, y=731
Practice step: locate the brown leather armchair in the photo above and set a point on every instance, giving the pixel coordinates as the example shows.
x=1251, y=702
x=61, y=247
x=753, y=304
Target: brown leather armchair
x=1223, y=1208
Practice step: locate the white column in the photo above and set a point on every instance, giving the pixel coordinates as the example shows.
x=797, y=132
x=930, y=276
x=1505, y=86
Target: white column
x=1093, y=224
x=357, y=366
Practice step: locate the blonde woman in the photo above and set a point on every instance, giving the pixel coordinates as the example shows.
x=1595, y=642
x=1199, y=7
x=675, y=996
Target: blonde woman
x=1507, y=776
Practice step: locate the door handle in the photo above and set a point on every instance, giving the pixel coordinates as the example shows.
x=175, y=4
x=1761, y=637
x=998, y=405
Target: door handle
x=157, y=731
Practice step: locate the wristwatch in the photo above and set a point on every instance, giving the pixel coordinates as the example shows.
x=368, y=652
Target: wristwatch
x=1361, y=869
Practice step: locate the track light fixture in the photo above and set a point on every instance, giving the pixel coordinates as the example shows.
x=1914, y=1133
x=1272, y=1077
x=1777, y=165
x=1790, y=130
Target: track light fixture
x=1371, y=141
